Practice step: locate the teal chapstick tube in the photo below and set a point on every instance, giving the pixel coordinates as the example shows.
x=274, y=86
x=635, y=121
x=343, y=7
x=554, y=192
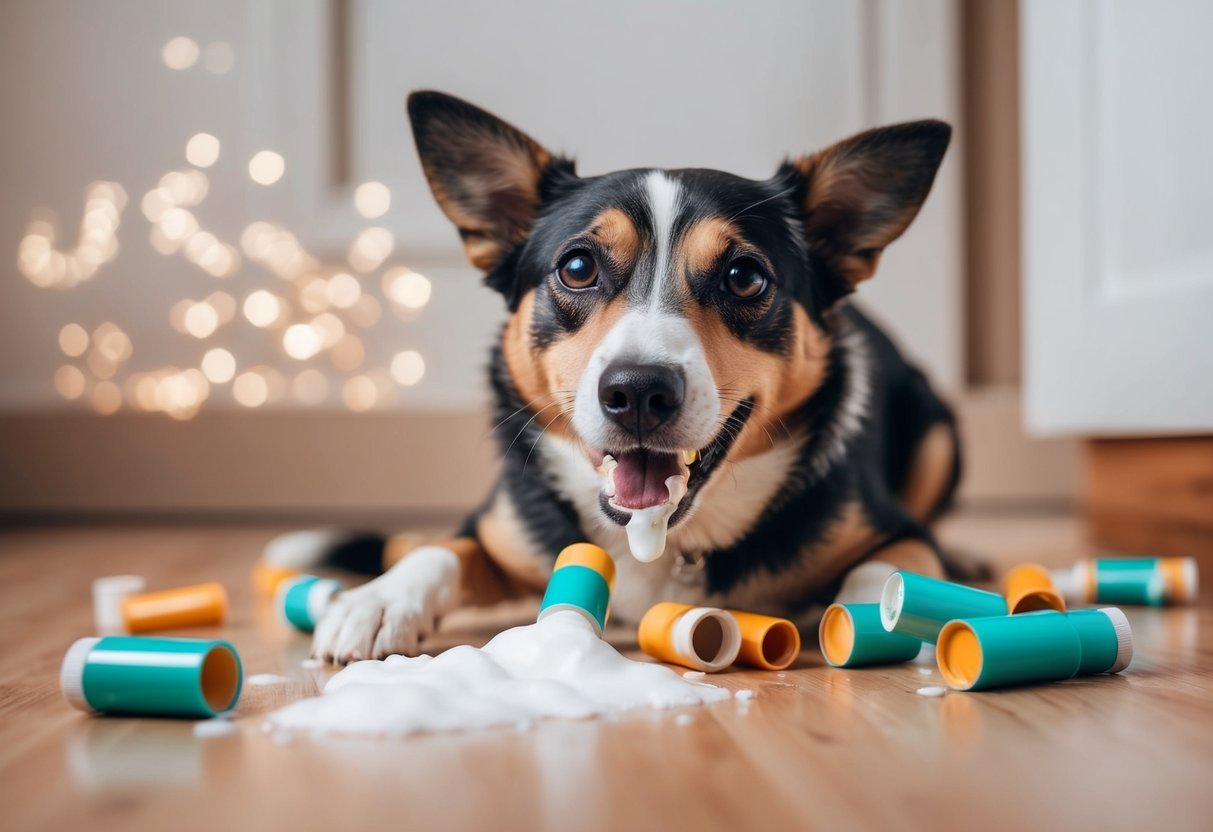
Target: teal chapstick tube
x=852, y=635
x=304, y=600
x=1045, y=646
x=918, y=606
x=140, y=676
x=581, y=582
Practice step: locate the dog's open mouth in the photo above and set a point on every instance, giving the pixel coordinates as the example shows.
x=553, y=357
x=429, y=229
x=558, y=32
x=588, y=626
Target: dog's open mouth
x=648, y=490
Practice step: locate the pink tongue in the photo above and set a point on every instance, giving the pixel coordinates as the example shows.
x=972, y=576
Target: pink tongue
x=640, y=478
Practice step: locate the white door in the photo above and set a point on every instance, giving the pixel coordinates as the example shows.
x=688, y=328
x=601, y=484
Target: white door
x=1117, y=116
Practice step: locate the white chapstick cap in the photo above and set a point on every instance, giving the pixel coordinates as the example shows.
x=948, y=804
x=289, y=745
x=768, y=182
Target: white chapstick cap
x=108, y=594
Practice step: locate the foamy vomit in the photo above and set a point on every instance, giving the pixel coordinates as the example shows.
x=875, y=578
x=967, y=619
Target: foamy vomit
x=744, y=695
x=683, y=720
x=220, y=726
x=932, y=690
x=647, y=527
x=258, y=679
x=556, y=668
x=694, y=674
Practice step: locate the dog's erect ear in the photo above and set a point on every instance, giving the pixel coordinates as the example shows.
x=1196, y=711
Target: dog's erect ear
x=860, y=195
x=485, y=174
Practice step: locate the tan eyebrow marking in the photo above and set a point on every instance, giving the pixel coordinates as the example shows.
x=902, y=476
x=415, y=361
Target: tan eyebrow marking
x=617, y=235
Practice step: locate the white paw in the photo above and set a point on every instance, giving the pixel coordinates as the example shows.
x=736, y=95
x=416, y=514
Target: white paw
x=393, y=613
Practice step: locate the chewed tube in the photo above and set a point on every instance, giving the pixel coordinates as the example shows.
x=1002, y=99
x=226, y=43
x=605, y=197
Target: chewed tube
x=851, y=635
x=767, y=642
x=918, y=606
x=701, y=638
x=188, y=606
x=1030, y=587
x=302, y=601
x=152, y=676
x=1042, y=646
x=581, y=582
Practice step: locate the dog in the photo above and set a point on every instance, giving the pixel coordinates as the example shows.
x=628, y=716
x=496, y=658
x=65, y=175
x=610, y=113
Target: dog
x=682, y=380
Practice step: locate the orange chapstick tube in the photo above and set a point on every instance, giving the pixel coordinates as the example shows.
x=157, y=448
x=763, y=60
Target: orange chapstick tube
x=267, y=577
x=1029, y=588
x=187, y=606
x=767, y=642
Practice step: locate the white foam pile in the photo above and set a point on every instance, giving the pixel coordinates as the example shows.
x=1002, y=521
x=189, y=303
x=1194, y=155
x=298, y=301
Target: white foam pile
x=556, y=668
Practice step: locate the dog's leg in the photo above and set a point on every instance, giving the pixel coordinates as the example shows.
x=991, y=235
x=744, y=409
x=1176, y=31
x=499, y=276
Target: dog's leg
x=395, y=612
x=863, y=584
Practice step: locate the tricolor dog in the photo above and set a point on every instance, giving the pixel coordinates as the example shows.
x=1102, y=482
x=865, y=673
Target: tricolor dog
x=682, y=380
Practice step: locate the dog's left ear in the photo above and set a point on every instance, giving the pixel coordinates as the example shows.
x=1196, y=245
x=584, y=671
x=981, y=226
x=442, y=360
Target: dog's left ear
x=860, y=195
x=485, y=174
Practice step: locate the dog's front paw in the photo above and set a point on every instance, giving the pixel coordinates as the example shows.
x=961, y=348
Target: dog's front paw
x=393, y=613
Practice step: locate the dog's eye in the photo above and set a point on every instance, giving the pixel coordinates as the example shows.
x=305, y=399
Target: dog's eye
x=578, y=271
x=745, y=279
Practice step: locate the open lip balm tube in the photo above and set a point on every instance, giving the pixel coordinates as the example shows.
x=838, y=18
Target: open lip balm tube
x=852, y=635
x=918, y=606
x=267, y=577
x=108, y=595
x=1147, y=581
x=199, y=605
x=1029, y=588
x=1044, y=646
x=302, y=601
x=142, y=676
x=767, y=642
x=581, y=582
x=701, y=638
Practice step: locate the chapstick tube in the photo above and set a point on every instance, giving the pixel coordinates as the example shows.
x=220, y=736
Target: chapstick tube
x=918, y=606
x=188, y=606
x=701, y=638
x=140, y=676
x=108, y=595
x=582, y=582
x=302, y=601
x=1147, y=581
x=267, y=577
x=767, y=642
x=1043, y=646
x=1030, y=587
x=852, y=635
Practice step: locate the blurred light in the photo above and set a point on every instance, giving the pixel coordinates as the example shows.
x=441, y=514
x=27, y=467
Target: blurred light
x=408, y=368
x=184, y=187
x=370, y=248
x=106, y=398
x=343, y=290
x=112, y=343
x=177, y=224
x=276, y=248
x=310, y=387
x=407, y=288
x=262, y=309
x=155, y=202
x=45, y=266
x=73, y=340
x=360, y=393
x=372, y=199
x=179, y=53
x=314, y=295
x=365, y=313
x=218, y=365
x=219, y=58
x=201, y=320
x=301, y=341
x=330, y=328
x=266, y=167
x=69, y=382
x=162, y=243
x=348, y=354
x=202, y=150
x=251, y=389
x=223, y=304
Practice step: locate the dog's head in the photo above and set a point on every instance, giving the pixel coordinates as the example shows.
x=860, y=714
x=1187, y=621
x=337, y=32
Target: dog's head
x=668, y=320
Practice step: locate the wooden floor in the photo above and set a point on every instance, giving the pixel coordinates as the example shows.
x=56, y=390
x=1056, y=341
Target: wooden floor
x=819, y=748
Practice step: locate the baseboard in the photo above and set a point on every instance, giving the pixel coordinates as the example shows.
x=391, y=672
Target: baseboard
x=330, y=466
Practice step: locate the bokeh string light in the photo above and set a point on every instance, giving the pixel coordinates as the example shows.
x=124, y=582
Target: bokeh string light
x=311, y=314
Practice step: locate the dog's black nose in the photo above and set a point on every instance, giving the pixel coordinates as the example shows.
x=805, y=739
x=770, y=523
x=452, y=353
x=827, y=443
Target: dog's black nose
x=640, y=397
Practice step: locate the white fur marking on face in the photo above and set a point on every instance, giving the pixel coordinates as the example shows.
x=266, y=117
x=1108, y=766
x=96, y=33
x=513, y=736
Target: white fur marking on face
x=664, y=197
x=651, y=338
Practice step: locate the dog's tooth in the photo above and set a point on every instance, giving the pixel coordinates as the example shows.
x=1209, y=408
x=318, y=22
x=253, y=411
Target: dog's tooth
x=607, y=469
x=689, y=456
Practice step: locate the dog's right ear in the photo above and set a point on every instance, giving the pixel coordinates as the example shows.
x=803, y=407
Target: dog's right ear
x=485, y=174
